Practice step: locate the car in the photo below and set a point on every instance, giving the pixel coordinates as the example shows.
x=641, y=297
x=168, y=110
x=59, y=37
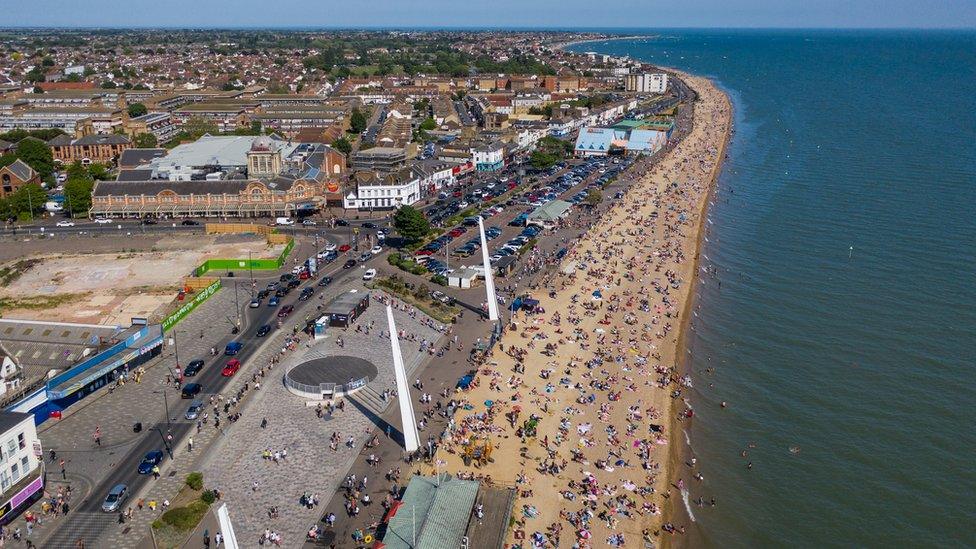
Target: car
x=369, y=225
x=285, y=311
x=282, y=292
x=264, y=330
x=350, y=263
x=233, y=348
x=262, y=294
x=65, y=223
x=370, y=274
x=189, y=222
x=304, y=275
x=116, y=496
x=376, y=250
x=255, y=303
x=191, y=390
x=148, y=221
x=341, y=223
x=325, y=281
x=344, y=248
x=193, y=368
x=463, y=204
x=330, y=248
x=194, y=410
x=151, y=460
x=308, y=222
x=440, y=296
x=231, y=368
x=272, y=286
x=102, y=220
x=273, y=302
x=306, y=293
x=293, y=283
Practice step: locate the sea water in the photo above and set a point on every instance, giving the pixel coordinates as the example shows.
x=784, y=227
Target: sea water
x=843, y=334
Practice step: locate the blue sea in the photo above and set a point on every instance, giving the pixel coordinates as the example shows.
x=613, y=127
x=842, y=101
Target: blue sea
x=840, y=323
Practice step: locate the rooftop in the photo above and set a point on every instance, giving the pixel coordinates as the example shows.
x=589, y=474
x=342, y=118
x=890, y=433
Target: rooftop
x=432, y=515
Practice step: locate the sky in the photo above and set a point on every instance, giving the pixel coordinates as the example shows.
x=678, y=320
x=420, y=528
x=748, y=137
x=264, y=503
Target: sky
x=490, y=13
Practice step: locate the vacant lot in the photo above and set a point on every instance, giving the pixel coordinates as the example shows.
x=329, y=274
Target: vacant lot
x=110, y=287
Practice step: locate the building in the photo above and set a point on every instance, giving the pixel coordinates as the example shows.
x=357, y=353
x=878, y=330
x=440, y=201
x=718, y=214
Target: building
x=597, y=141
x=489, y=157
x=21, y=465
x=132, y=159
x=15, y=175
x=226, y=176
x=434, y=175
x=380, y=159
x=159, y=124
x=646, y=82
x=549, y=214
x=103, y=149
x=383, y=191
x=346, y=308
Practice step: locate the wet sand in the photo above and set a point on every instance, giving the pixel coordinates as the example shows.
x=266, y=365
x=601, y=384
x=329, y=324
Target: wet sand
x=594, y=373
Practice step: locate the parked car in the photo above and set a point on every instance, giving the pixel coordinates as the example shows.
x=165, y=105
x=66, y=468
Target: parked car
x=231, y=368
x=151, y=460
x=194, y=410
x=273, y=302
x=344, y=248
x=369, y=225
x=341, y=222
x=370, y=274
x=191, y=390
x=116, y=496
x=285, y=311
x=193, y=368
x=325, y=281
x=306, y=293
x=233, y=348
x=102, y=220
x=65, y=223
x=189, y=222
x=264, y=330
x=255, y=303
x=376, y=250
x=350, y=263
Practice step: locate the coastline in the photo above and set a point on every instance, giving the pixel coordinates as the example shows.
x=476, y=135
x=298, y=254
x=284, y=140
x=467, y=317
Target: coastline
x=659, y=235
x=564, y=45
x=681, y=454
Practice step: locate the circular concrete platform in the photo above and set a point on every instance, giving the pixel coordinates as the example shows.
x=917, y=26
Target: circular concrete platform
x=346, y=373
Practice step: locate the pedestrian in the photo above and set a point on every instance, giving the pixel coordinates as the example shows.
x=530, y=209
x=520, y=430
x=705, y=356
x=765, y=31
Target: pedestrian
x=189, y=445
x=155, y=472
x=206, y=537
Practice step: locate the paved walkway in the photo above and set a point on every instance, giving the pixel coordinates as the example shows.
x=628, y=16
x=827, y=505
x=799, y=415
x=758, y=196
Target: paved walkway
x=115, y=412
x=236, y=463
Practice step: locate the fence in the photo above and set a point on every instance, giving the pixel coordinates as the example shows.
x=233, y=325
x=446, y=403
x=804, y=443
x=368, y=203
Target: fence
x=188, y=307
x=239, y=228
x=247, y=264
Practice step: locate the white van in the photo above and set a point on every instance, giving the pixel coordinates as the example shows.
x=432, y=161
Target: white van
x=284, y=221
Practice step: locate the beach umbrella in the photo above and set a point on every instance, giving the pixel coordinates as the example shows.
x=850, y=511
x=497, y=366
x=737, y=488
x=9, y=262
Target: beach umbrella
x=489, y=403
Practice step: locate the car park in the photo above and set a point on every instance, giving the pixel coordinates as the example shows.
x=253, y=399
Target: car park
x=231, y=368
x=264, y=330
x=233, y=348
x=193, y=368
x=115, y=498
x=150, y=460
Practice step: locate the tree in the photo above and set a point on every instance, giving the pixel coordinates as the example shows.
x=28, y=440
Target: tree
x=428, y=124
x=99, y=172
x=77, y=170
x=542, y=160
x=342, y=145
x=357, y=121
x=146, y=141
x=108, y=85
x=27, y=200
x=137, y=109
x=594, y=197
x=411, y=223
x=37, y=155
x=78, y=194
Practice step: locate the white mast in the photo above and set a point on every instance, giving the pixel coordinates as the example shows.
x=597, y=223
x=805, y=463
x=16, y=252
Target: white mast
x=411, y=438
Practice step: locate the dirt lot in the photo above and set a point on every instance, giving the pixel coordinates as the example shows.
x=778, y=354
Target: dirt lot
x=102, y=281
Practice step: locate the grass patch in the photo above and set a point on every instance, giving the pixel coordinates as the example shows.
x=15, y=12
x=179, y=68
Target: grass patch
x=419, y=297
x=10, y=273
x=184, y=519
x=41, y=302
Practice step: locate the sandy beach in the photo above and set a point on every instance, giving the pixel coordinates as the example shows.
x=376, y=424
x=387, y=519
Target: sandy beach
x=582, y=398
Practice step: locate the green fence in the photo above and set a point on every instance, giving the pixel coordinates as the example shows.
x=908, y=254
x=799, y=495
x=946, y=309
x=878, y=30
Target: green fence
x=246, y=264
x=188, y=307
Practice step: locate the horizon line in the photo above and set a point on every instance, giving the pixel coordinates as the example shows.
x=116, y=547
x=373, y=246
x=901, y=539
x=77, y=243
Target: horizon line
x=484, y=28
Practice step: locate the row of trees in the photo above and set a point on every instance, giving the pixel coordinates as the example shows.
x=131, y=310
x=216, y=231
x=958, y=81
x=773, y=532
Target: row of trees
x=549, y=151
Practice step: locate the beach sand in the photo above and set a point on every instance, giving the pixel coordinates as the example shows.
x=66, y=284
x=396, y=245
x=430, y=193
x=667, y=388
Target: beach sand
x=597, y=371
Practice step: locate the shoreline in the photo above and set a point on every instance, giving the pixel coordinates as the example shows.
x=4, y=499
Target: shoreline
x=680, y=455
x=564, y=45
x=651, y=230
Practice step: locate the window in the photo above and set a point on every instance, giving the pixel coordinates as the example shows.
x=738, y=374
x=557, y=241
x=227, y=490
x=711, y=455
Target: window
x=11, y=446
x=21, y=441
x=4, y=480
x=14, y=472
x=25, y=464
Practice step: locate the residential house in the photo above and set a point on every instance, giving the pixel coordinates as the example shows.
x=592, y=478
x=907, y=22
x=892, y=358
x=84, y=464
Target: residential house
x=15, y=175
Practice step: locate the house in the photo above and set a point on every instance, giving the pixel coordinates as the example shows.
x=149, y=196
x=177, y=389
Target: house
x=549, y=214
x=15, y=176
x=21, y=474
x=382, y=191
x=103, y=149
x=434, y=175
x=490, y=157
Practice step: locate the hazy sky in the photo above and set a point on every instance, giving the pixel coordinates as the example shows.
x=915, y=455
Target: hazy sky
x=491, y=13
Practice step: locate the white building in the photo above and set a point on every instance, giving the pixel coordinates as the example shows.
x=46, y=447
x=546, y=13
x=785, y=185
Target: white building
x=20, y=466
x=647, y=82
x=490, y=157
x=434, y=175
x=376, y=191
